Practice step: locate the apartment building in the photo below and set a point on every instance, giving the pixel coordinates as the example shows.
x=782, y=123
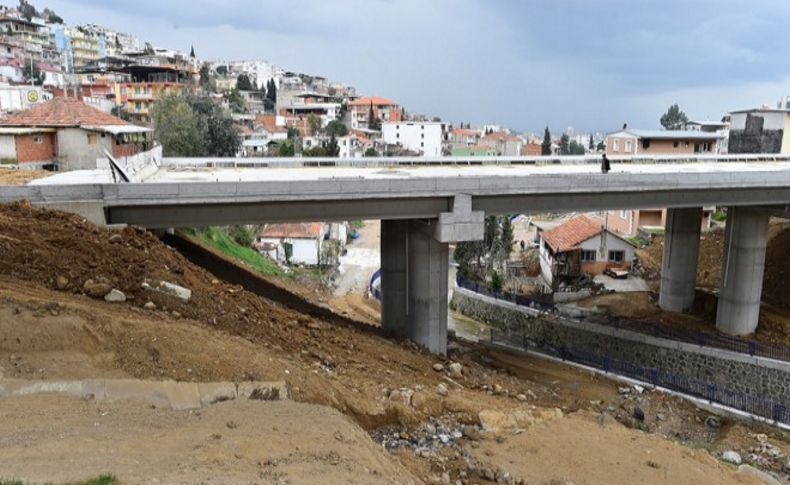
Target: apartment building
x=384, y=110
x=424, y=137
x=665, y=142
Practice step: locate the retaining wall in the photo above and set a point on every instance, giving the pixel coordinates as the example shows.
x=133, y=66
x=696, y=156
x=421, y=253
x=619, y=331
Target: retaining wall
x=759, y=376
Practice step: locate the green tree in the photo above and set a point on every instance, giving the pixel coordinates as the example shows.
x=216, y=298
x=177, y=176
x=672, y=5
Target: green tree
x=243, y=83
x=601, y=146
x=592, y=143
x=222, y=70
x=27, y=10
x=674, y=118
x=149, y=49
x=293, y=133
x=371, y=152
x=545, y=147
x=271, y=94
x=219, y=131
x=177, y=127
x=236, y=101
x=373, y=121
x=207, y=81
x=575, y=148
x=564, y=146
x=32, y=73
x=336, y=128
x=313, y=124
x=478, y=259
x=191, y=50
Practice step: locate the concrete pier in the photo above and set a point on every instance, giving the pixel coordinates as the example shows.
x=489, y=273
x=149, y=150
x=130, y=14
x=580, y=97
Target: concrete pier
x=414, y=269
x=679, y=264
x=394, y=271
x=742, y=271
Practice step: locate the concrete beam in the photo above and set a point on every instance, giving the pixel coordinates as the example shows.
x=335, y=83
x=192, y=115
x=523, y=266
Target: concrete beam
x=462, y=224
x=743, y=265
x=679, y=264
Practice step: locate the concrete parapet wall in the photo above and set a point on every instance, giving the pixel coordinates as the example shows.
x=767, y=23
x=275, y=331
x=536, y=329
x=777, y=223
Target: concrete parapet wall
x=766, y=378
x=176, y=395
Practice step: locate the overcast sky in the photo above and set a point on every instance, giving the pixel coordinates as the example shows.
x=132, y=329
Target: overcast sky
x=590, y=64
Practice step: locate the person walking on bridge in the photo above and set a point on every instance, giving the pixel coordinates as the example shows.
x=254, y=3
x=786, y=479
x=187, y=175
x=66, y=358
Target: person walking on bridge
x=605, y=167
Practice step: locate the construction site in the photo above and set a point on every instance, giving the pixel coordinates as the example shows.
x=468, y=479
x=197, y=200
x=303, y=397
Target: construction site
x=120, y=356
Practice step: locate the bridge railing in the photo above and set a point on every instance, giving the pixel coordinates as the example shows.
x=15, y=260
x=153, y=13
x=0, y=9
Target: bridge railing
x=379, y=162
x=696, y=337
x=765, y=407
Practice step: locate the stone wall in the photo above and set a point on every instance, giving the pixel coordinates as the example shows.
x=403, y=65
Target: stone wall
x=765, y=378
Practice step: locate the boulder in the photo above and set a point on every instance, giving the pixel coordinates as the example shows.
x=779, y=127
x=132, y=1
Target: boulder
x=441, y=389
x=456, y=370
x=731, y=457
x=61, y=282
x=115, y=296
x=438, y=367
x=96, y=290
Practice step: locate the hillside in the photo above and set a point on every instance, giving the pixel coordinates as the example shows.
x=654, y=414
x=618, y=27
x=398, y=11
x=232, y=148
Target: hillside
x=437, y=419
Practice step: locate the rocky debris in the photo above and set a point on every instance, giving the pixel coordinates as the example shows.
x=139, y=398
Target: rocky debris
x=731, y=457
x=115, y=296
x=149, y=305
x=403, y=395
x=441, y=389
x=639, y=414
x=96, y=289
x=171, y=289
x=762, y=476
x=427, y=437
x=765, y=454
x=496, y=421
x=115, y=238
x=521, y=397
x=438, y=367
x=61, y=282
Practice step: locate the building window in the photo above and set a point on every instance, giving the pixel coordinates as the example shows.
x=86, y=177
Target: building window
x=616, y=145
x=38, y=139
x=616, y=256
x=628, y=145
x=588, y=256
x=422, y=144
x=623, y=213
x=422, y=135
x=675, y=144
x=397, y=135
x=92, y=138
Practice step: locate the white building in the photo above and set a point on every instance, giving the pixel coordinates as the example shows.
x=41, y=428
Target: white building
x=298, y=243
x=424, y=137
x=21, y=97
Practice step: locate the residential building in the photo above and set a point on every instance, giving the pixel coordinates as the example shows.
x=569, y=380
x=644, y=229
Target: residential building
x=69, y=134
x=504, y=143
x=531, y=149
x=137, y=98
x=760, y=130
x=463, y=137
x=627, y=222
x=581, y=246
x=424, y=138
x=30, y=33
x=667, y=142
x=298, y=243
x=383, y=110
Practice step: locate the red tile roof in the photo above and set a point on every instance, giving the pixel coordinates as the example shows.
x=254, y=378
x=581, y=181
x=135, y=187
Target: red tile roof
x=375, y=100
x=61, y=112
x=302, y=230
x=501, y=135
x=569, y=235
x=464, y=132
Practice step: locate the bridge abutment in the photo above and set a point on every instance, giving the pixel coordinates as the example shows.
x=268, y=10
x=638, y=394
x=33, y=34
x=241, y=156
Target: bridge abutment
x=743, y=265
x=679, y=264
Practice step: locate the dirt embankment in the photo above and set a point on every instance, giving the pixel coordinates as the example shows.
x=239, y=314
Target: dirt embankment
x=49, y=329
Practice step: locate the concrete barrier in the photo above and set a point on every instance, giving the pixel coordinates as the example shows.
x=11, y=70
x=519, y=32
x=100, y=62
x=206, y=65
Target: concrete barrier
x=175, y=395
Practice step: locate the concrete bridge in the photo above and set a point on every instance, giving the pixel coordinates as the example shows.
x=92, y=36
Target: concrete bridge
x=425, y=204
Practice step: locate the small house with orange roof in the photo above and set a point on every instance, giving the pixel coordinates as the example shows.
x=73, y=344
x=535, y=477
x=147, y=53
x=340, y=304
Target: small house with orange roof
x=68, y=135
x=579, y=246
x=298, y=243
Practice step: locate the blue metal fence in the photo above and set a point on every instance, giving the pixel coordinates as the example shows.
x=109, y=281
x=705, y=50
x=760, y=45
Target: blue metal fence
x=697, y=337
x=760, y=406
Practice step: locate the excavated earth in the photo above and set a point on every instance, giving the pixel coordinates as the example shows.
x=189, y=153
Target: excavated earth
x=363, y=409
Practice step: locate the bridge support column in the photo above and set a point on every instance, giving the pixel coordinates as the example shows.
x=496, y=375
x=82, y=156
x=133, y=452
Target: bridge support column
x=743, y=265
x=427, y=287
x=679, y=264
x=394, y=272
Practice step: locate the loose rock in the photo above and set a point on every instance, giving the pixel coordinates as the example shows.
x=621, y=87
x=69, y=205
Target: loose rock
x=96, y=290
x=115, y=296
x=441, y=389
x=731, y=457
